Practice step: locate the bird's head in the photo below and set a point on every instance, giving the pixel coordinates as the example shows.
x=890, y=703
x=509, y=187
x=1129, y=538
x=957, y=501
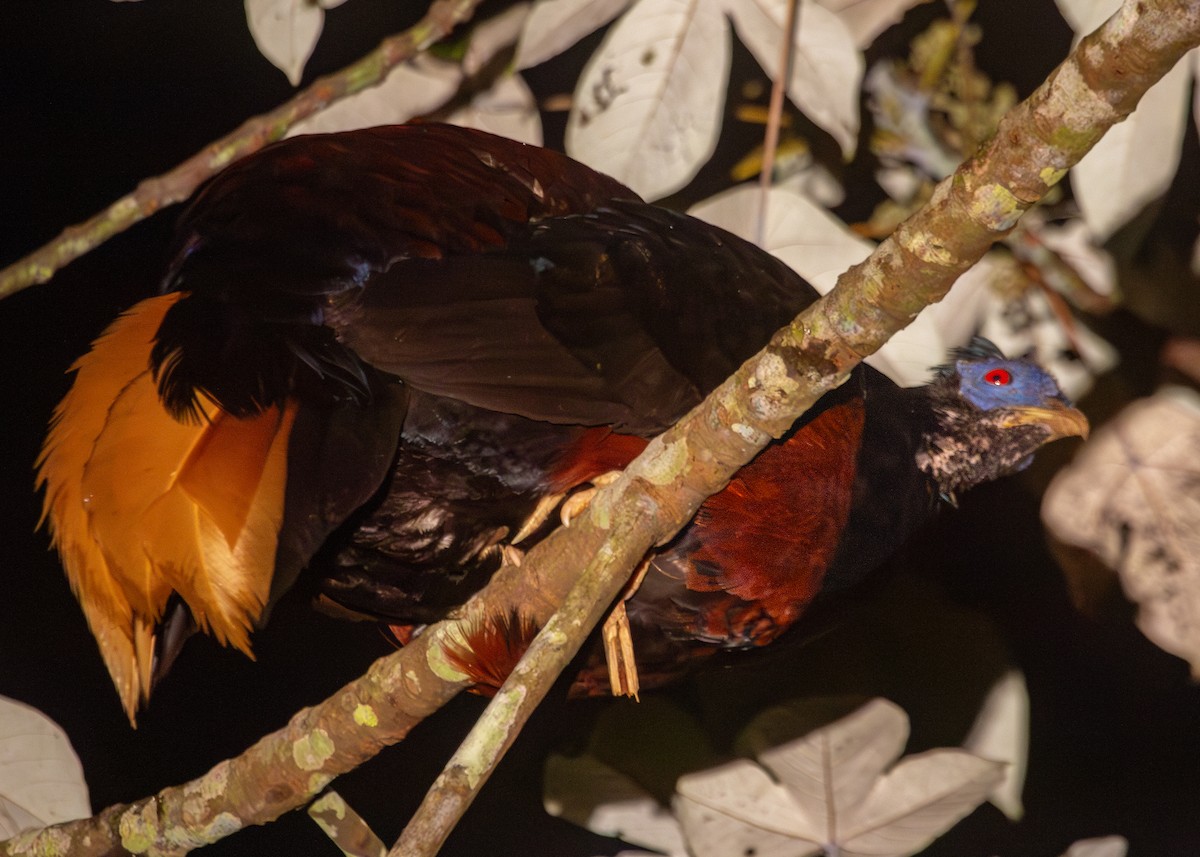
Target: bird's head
x=990, y=414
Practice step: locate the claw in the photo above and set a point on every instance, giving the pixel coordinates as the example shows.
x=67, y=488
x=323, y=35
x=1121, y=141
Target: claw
x=537, y=517
x=574, y=505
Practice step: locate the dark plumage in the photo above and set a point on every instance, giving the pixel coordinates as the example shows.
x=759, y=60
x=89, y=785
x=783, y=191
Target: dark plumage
x=380, y=352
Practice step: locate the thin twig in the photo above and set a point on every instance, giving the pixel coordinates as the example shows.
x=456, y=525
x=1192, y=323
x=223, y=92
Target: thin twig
x=787, y=55
x=177, y=185
x=348, y=830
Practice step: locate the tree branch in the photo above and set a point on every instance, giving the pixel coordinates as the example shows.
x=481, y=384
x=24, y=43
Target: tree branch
x=1097, y=86
x=177, y=185
x=663, y=488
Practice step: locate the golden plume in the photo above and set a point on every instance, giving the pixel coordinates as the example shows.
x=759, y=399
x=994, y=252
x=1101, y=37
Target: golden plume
x=140, y=505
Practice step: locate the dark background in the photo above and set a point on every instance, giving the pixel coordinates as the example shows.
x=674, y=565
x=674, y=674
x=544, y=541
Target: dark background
x=95, y=96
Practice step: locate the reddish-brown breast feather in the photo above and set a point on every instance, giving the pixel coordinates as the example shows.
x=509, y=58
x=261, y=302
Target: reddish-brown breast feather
x=598, y=450
x=768, y=538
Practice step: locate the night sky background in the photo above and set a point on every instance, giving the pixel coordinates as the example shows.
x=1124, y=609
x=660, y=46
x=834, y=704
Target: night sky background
x=95, y=96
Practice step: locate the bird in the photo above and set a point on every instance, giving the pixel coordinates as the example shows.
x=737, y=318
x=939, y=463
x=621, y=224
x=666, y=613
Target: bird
x=382, y=358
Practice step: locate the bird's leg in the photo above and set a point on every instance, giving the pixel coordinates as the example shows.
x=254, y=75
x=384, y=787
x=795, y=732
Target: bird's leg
x=575, y=504
x=618, y=641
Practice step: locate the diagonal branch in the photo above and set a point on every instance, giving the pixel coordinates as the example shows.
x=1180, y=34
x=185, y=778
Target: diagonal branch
x=1097, y=86
x=177, y=185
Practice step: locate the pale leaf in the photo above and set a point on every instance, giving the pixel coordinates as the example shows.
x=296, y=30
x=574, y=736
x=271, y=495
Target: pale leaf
x=412, y=89
x=589, y=793
x=808, y=238
x=834, y=768
x=507, y=109
x=1083, y=16
x=737, y=808
x=817, y=183
x=900, y=182
x=820, y=247
x=647, y=109
x=1001, y=733
x=916, y=802
x=1130, y=497
x=286, y=31
x=832, y=792
x=827, y=68
x=711, y=833
x=555, y=25
x=1103, y=846
x=41, y=779
x=1073, y=242
x=1133, y=163
x=493, y=35
x=866, y=19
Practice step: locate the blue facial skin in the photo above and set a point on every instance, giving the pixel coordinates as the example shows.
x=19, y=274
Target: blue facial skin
x=1028, y=384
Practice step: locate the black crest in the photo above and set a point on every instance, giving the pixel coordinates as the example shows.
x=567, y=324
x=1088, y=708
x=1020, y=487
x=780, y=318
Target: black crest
x=979, y=348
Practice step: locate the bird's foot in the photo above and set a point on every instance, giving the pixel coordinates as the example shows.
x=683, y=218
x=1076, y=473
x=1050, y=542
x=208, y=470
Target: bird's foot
x=571, y=508
x=618, y=642
x=574, y=505
x=537, y=517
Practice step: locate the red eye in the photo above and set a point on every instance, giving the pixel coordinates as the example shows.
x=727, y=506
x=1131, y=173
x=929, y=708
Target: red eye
x=998, y=377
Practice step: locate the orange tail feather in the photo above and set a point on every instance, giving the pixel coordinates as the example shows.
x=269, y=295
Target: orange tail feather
x=140, y=505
